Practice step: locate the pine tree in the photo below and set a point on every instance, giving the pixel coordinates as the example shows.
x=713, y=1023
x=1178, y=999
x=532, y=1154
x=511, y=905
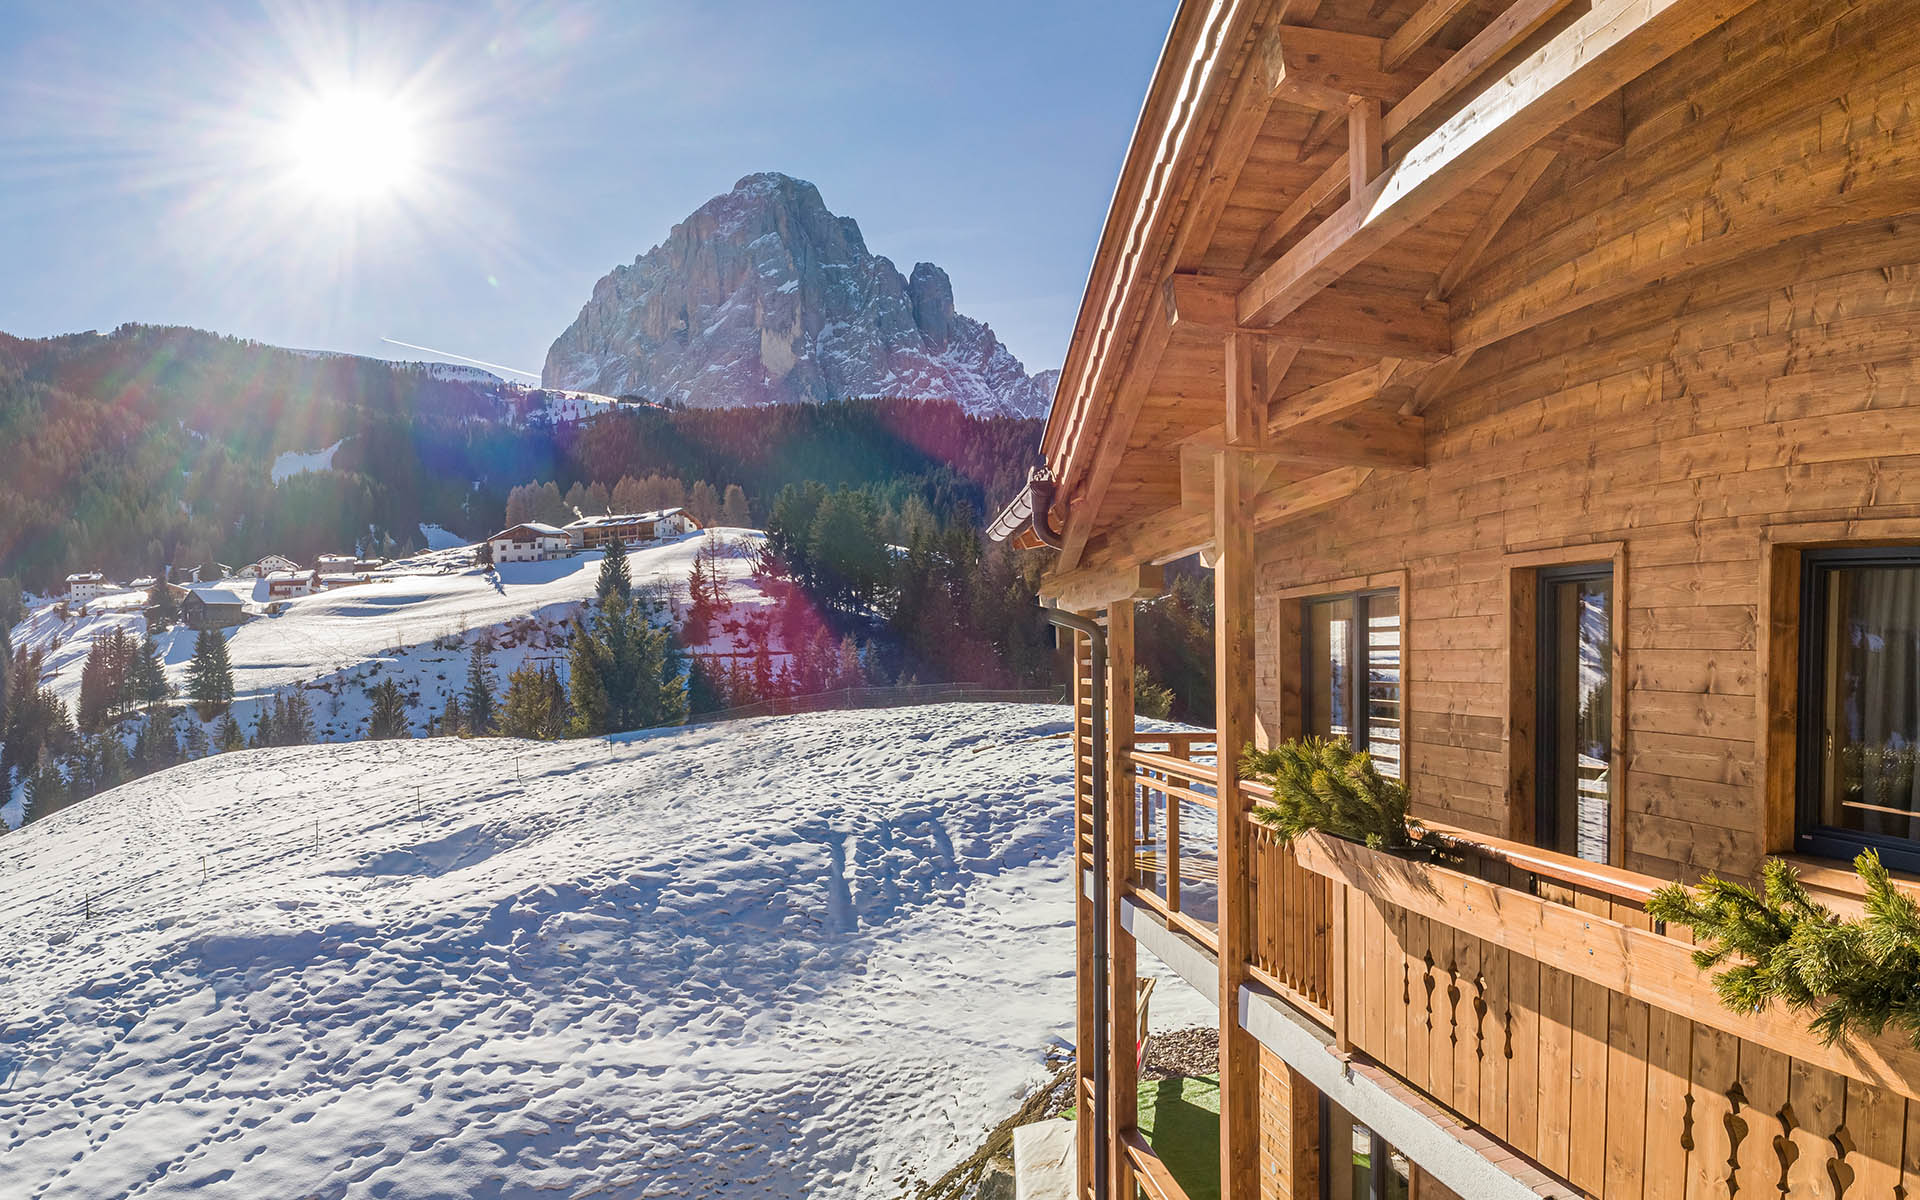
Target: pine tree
x=531, y=707
x=556, y=718
x=196, y=744
x=704, y=686
x=162, y=610
x=586, y=690
x=614, y=576
x=149, y=685
x=227, y=735
x=264, y=733
x=733, y=509
x=479, y=715
x=452, y=722
x=46, y=791
x=96, y=689
x=389, y=717
x=210, y=675
x=293, y=718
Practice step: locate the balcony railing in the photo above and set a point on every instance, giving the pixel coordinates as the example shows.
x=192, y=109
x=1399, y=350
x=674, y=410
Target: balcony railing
x=1531, y=994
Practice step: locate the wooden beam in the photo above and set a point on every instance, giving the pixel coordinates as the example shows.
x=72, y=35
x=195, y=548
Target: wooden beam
x=1434, y=384
x=1234, y=654
x=1087, y=588
x=1226, y=157
x=1417, y=30
x=1333, y=399
x=1366, y=145
x=1319, y=133
x=1278, y=505
x=1520, y=21
x=1359, y=439
x=1177, y=532
x=1613, y=43
x=1246, y=420
x=1318, y=68
x=1526, y=173
x=1348, y=318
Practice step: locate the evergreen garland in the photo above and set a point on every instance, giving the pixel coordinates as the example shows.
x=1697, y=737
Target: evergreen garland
x=1325, y=784
x=1857, y=976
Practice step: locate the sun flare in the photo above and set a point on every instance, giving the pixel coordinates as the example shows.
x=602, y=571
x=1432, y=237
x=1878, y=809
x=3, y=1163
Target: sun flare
x=349, y=147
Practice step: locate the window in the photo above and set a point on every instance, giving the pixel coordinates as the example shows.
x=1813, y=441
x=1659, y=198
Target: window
x=1860, y=704
x=1356, y=1163
x=1352, y=676
x=1573, y=754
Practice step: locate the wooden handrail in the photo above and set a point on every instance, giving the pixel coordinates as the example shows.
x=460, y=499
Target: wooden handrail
x=1169, y=765
x=1564, y=868
x=1150, y=1172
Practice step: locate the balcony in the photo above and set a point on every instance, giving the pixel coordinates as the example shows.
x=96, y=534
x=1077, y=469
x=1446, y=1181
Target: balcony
x=1527, y=996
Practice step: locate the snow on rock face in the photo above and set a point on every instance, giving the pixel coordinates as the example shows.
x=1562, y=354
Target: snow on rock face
x=787, y=957
x=762, y=296
x=291, y=463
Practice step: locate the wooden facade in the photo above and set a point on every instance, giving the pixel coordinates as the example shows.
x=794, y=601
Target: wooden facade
x=1443, y=303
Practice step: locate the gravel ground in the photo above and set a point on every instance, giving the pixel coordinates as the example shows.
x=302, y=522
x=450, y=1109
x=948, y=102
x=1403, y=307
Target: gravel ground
x=1183, y=1052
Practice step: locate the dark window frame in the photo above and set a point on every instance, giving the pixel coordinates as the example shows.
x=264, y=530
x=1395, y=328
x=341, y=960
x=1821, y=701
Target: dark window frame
x=1359, y=667
x=1809, y=835
x=1546, y=697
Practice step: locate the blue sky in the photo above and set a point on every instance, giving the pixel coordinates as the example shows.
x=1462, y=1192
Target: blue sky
x=157, y=161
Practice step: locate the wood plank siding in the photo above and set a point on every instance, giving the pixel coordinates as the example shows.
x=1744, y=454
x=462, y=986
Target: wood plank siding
x=1434, y=305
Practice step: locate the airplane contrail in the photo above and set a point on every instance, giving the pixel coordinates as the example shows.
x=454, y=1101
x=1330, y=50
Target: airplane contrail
x=478, y=362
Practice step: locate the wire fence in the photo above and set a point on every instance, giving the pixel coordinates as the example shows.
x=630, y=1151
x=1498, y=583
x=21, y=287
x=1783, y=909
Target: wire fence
x=885, y=697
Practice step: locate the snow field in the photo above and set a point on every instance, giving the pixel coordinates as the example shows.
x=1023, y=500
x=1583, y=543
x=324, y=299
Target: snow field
x=801, y=956
x=413, y=622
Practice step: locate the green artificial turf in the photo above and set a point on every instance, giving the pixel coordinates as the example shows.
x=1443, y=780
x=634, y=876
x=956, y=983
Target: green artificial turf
x=1180, y=1118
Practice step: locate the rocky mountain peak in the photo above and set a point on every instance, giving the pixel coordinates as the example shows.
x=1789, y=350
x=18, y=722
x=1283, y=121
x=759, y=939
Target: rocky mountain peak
x=764, y=296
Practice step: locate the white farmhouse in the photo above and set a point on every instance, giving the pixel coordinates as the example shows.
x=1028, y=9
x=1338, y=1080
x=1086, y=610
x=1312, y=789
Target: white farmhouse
x=533, y=541
x=88, y=584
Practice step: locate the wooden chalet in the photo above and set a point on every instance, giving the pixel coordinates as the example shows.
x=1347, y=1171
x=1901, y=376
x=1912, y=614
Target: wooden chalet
x=1538, y=379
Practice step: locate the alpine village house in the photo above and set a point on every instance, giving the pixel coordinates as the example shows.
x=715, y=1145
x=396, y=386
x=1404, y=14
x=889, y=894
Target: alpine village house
x=1538, y=379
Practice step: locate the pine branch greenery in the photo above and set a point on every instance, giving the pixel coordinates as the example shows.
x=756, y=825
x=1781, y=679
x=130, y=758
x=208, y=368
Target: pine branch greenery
x=1325, y=784
x=1857, y=976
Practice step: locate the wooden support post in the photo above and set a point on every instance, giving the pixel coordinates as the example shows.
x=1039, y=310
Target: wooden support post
x=1234, y=485
x=1123, y=1018
x=1086, y=1036
x=1366, y=143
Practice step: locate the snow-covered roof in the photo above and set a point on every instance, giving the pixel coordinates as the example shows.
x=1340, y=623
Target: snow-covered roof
x=539, y=527
x=145, y=581
x=216, y=595
x=623, y=519
x=289, y=576
x=87, y=577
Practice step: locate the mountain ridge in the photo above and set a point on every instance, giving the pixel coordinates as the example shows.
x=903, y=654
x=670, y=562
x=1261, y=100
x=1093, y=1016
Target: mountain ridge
x=764, y=296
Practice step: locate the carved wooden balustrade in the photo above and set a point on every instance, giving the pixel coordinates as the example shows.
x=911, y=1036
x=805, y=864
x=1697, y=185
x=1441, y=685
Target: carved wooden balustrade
x=1531, y=994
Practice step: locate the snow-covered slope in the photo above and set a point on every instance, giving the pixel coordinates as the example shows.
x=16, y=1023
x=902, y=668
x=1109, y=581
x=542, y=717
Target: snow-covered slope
x=798, y=956
x=763, y=296
x=412, y=622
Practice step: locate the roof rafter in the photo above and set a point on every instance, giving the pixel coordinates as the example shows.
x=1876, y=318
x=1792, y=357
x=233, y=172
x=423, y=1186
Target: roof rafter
x=1612, y=43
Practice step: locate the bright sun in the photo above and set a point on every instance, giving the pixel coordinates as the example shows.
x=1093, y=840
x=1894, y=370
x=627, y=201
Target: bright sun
x=352, y=146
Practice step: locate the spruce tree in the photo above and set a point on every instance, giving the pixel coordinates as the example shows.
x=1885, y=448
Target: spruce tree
x=210, y=674
x=149, y=686
x=227, y=735
x=196, y=744
x=588, y=694
x=263, y=729
x=614, y=577
x=46, y=791
x=389, y=717
x=452, y=722
x=478, y=713
x=527, y=709
x=162, y=610
x=293, y=719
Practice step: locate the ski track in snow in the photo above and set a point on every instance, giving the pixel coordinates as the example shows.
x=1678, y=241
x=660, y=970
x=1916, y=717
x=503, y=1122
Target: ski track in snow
x=795, y=956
